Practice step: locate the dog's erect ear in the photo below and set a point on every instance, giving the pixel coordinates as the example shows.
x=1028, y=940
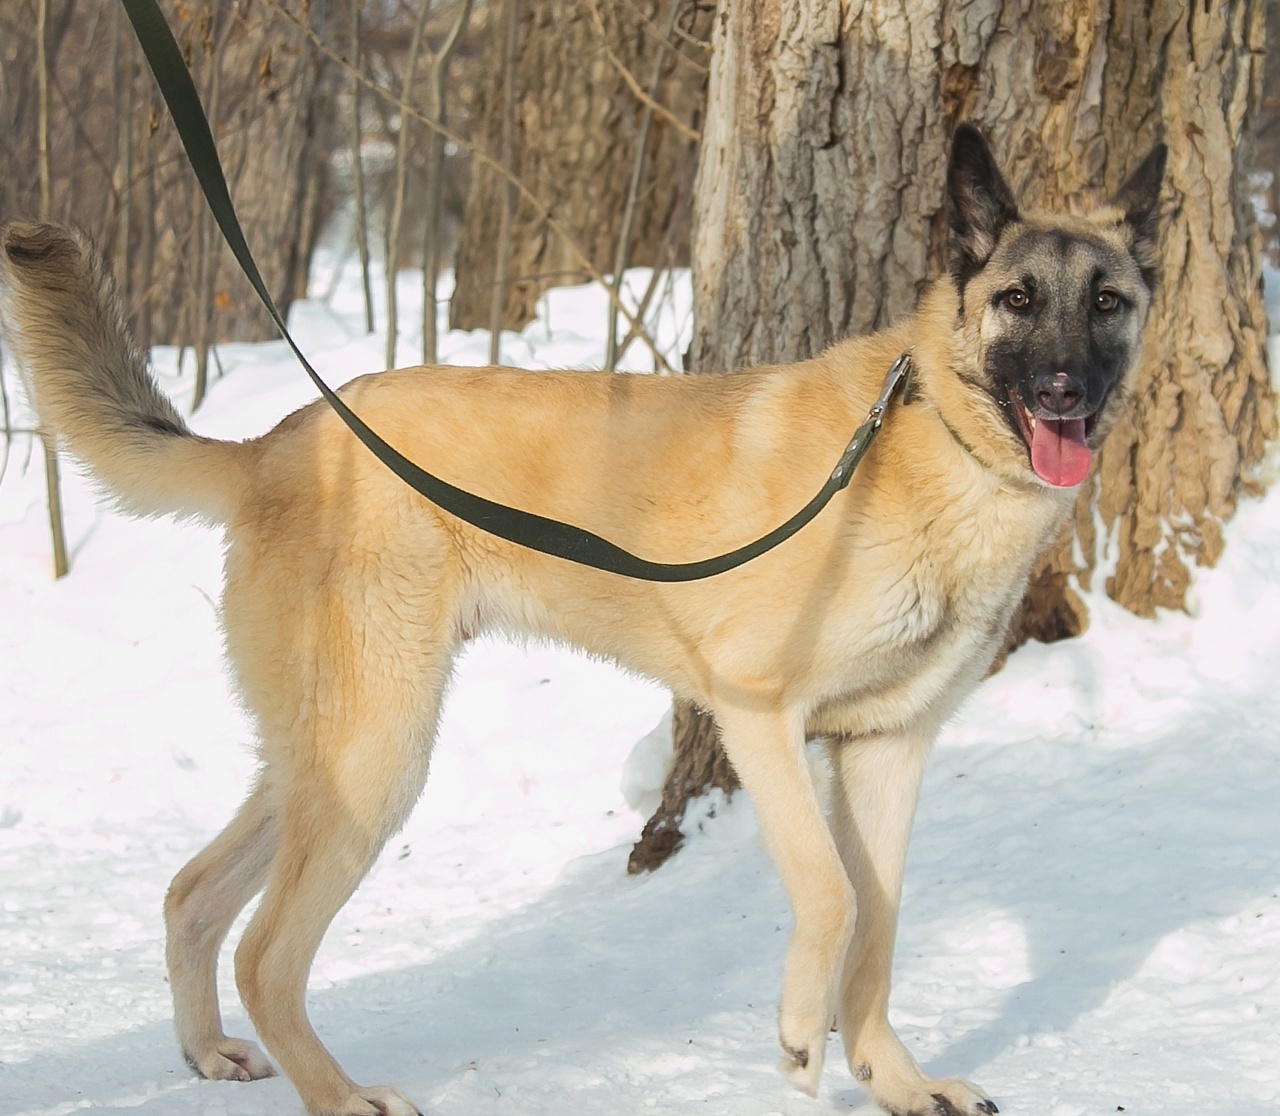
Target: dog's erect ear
x=979, y=203
x=1139, y=200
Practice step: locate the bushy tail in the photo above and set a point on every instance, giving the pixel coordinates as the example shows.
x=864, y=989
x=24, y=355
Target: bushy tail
x=90, y=385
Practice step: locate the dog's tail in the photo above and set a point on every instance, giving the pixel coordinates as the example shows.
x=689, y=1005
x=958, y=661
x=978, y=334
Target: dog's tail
x=89, y=383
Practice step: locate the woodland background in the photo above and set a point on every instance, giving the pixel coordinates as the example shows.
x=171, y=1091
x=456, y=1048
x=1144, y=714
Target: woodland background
x=791, y=153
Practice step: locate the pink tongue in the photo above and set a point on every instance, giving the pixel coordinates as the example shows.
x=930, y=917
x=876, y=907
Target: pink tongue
x=1058, y=452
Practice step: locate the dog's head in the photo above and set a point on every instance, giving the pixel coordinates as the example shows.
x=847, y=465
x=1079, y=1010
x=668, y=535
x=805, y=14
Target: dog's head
x=1056, y=305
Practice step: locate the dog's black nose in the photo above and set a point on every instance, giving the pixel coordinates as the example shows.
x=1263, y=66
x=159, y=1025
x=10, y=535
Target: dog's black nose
x=1058, y=392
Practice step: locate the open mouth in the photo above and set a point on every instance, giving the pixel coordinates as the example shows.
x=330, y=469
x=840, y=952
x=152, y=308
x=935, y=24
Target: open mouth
x=1060, y=453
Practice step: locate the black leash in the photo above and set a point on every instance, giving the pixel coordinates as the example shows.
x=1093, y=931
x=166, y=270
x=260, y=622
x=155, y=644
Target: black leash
x=550, y=536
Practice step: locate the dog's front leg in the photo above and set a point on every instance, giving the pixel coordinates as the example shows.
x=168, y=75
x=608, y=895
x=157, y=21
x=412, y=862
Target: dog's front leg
x=766, y=748
x=877, y=781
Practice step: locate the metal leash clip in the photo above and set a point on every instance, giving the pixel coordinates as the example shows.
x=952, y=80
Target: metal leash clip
x=862, y=437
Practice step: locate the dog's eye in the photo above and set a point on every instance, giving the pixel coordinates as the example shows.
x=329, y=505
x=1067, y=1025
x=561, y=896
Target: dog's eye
x=1106, y=302
x=1017, y=300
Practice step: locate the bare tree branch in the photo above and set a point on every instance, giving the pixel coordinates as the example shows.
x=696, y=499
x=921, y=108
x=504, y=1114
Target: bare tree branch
x=123, y=175
x=431, y=255
x=53, y=487
x=502, y=254
x=392, y=251
x=357, y=173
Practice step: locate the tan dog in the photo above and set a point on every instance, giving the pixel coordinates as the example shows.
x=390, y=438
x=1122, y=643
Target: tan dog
x=348, y=595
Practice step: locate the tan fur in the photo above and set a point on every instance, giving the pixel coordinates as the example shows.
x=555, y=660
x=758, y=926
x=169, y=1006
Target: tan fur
x=347, y=596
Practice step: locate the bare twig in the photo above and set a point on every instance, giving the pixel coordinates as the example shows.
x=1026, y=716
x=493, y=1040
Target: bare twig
x=42, y=92
x=693, y=40
x=357, y=173
x=642, y=307
x=503, y=252
x=124, y=161
x=431, y=254
x=144, y=304
x=53, y=488
x=8, y=419
x=539, y=276
x=392, y=253
x=208, y=244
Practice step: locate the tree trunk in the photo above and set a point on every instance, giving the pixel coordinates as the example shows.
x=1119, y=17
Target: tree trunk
x=698, y=767
x=819, y=208
x=580, y=83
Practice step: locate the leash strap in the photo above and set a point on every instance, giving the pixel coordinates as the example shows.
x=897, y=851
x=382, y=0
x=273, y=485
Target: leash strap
x=550, y=536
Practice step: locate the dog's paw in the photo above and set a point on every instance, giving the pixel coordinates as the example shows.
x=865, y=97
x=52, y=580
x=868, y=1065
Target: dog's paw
x=950, y=1097
x=377, y=1101
x=231, y=1060
x=976, y=1104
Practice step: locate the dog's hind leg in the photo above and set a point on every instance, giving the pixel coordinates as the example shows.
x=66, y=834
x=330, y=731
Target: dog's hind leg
x=202, y=902
x=347, y=732
x=876, y=784
x=767, y=751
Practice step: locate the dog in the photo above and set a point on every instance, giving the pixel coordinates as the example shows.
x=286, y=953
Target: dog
x=348, y=595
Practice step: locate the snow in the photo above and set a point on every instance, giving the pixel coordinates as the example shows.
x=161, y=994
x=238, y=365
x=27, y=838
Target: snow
x=1091, y=921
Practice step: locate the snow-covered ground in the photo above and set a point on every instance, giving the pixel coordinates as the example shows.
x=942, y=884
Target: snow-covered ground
x=1091, y=921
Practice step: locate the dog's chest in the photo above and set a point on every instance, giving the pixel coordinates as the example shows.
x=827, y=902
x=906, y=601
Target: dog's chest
x=917, y=624
x=913, y=616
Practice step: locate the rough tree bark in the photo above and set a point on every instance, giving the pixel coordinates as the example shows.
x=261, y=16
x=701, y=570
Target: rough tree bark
x=819, y=208
x=579, y=79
